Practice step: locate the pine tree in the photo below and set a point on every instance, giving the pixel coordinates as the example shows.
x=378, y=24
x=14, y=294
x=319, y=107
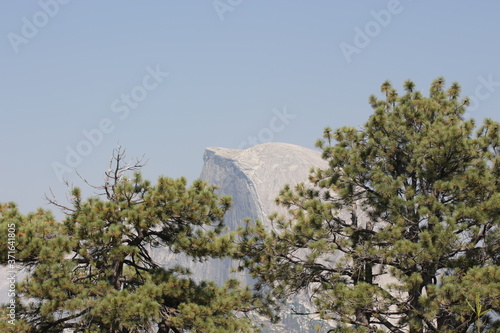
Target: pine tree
x=401, y=232
x=93, y=272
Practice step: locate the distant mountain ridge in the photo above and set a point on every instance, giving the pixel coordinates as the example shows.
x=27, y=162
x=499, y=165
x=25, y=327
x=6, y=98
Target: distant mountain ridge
x=253, y=177
x=256, y=175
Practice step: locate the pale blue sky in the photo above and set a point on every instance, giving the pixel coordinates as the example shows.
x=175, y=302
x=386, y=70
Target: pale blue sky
x=272, y=70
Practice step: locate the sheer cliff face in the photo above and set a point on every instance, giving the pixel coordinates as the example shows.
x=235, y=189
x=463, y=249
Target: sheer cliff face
x=253, y=177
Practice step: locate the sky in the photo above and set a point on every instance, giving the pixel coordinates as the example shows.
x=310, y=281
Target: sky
x=166, y=79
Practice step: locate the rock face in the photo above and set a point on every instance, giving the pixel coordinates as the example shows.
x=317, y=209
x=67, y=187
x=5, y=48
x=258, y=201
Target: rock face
x=253, y=177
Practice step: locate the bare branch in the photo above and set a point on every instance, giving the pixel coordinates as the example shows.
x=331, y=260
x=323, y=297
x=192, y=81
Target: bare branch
x=53, y=201
x=116, y=171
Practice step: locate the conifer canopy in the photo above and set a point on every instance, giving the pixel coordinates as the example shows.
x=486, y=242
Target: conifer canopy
x=93, y=272
x=401, y=232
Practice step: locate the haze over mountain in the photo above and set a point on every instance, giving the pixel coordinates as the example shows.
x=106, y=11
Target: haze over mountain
x=253, y=177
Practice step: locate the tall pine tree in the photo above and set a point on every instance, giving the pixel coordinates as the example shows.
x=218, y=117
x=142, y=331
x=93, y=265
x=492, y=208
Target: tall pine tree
x=401, y=232
x=93, y=272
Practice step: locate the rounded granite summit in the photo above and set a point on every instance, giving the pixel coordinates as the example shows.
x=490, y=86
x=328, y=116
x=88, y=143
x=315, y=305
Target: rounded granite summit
x=271, y=155
x=266, y=169
x=253, y=177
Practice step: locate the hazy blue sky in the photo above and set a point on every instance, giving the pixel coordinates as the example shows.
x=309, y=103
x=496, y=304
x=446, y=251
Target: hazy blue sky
x=237, y=70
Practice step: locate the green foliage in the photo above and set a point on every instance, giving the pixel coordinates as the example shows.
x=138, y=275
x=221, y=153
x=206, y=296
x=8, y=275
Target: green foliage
x=401, y=232
x=93, y=271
